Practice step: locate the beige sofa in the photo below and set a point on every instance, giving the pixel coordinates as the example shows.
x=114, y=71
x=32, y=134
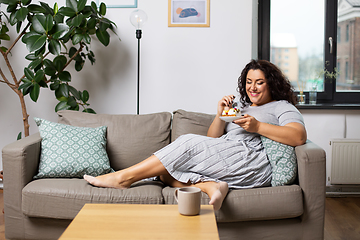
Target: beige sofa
x=43, y=208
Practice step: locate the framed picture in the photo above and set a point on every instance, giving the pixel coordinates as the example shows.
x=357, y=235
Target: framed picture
x=189, y=13
x=118, y=3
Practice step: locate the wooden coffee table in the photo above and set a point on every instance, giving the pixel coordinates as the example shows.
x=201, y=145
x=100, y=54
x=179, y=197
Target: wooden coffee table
x=140, y=221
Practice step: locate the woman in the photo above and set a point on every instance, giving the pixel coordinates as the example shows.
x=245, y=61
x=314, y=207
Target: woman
x=236, y=159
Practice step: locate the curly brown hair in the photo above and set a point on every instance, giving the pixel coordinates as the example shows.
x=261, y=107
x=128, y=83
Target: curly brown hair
x=279, y=86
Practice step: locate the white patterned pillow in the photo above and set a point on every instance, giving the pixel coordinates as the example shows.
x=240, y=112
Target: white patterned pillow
x=282, y=158
x=71, y=152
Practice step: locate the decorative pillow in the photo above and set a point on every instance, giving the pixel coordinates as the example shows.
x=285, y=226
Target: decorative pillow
x=282, y=158
x=70, y=152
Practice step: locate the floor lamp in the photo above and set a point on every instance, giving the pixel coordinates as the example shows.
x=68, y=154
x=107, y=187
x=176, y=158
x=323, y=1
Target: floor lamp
x=137, y=19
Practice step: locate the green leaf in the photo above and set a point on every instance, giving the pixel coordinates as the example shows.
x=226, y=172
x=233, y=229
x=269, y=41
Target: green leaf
x=25, y=2
x=104, y=25
x=47, y=8
x=35, y=42
x=79, y=65
x=89, y=110
x=102, y=9
x=76, y=21
x=72, y=102
x=54, y=47
x=13, y=19
x=4, y=36
x=18, y=136
x=103, y=37
x=34, y=64
x=34, y=92
x=18, y=26
x=94, y=6
x=25, y=85
x=49, y=23
x=87, y=38
x=81, y=5
x=33, y=8
x=75, y=92
x=27, y=35
x=64, y=90
x=91, y=23
x=65, y=76
x=39, y=23
x=66, y=11
x=60, y=30
x=29, y=73
x=39, y=75
x=21, y=14
x=85, y=96
x=55, y=85
x=72, y=4
x=62, y=106
x=31, y=57
x=60, y=62
x=77, y=38
x=56, y=8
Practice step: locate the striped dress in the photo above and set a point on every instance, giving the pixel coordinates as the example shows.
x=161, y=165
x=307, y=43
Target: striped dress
x=238, y=157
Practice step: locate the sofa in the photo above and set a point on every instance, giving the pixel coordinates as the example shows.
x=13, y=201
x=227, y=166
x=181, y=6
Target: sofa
x=43, y=208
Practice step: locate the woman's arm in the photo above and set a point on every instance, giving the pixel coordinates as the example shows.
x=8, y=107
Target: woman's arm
x=293, y=134
x=217, y=127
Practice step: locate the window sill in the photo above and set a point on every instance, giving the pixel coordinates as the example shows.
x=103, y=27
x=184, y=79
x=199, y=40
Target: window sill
x=341, y=106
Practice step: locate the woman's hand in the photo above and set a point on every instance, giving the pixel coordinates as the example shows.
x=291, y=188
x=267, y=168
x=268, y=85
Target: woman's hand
x=225, y=102
x=217, y=127
x=248, y=123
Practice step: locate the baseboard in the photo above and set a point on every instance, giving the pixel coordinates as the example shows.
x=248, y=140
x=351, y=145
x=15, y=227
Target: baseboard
x=343, y=191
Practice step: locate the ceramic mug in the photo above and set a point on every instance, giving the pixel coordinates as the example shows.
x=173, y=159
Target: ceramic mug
x=188, y=199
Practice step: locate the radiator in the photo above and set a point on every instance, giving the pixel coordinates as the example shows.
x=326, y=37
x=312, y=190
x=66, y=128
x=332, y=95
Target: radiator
x=345, y=161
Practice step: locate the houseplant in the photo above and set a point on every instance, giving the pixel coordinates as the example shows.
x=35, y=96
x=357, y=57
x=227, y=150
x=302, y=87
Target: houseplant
x=55, y=37
x=313, y=82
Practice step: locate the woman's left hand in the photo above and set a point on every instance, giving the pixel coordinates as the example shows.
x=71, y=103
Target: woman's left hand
x=248, y=123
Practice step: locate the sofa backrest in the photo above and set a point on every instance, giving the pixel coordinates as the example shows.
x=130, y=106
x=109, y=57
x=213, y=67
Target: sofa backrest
x=130, y=138
x=185, y=122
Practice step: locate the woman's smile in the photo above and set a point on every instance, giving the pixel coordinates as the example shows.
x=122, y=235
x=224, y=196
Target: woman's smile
x=257, y=88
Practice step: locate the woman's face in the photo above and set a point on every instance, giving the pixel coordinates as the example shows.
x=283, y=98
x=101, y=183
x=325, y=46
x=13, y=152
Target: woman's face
x=257, y=88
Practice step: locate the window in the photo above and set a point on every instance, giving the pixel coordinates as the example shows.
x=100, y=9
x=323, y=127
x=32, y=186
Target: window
x=313, y=47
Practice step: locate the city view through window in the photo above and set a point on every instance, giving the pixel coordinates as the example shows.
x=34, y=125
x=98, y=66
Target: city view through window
x=297, y=43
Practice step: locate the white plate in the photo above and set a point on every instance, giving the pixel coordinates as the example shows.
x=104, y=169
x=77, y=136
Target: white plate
x=229, y=119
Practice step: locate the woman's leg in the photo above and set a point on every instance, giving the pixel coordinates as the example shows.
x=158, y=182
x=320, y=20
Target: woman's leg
x=150, y=167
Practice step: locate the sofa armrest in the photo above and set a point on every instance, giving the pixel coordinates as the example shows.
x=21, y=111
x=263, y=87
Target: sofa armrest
x=20, y=164
x=312, y=180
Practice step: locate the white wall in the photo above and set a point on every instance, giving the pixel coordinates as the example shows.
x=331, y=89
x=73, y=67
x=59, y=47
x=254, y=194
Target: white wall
x=187, y=68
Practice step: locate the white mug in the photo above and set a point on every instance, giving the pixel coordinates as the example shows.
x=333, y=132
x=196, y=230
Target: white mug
x=188, y=199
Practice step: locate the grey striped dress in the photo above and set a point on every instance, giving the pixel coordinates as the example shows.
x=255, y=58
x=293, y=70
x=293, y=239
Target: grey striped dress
x=238, y=157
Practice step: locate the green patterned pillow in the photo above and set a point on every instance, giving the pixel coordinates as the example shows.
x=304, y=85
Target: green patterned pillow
x=71, y=152
x=282, y=158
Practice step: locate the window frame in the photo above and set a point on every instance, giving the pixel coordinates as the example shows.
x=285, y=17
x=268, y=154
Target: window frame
x=329, y=96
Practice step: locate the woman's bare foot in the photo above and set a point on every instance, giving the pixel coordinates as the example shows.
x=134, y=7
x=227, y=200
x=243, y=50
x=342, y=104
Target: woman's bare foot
x=218, y=196
x=111, y=180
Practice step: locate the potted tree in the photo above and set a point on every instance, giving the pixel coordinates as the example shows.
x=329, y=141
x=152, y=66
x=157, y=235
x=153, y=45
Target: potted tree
x=55, y=37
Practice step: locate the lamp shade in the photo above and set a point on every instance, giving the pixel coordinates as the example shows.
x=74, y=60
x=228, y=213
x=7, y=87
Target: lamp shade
x=138, y=18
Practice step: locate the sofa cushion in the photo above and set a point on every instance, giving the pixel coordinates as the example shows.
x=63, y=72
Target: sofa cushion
x=185, y=122
x=63, y=198
x=254, y=204
x=68, y=151
x=126, y=145
x=282, y=158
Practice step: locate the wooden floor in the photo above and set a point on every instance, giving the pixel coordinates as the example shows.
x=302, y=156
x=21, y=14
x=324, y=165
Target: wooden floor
x=342, y=218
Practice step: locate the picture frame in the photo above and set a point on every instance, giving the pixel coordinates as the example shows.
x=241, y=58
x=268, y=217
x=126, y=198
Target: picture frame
x=118, y=3
x=189, y=13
